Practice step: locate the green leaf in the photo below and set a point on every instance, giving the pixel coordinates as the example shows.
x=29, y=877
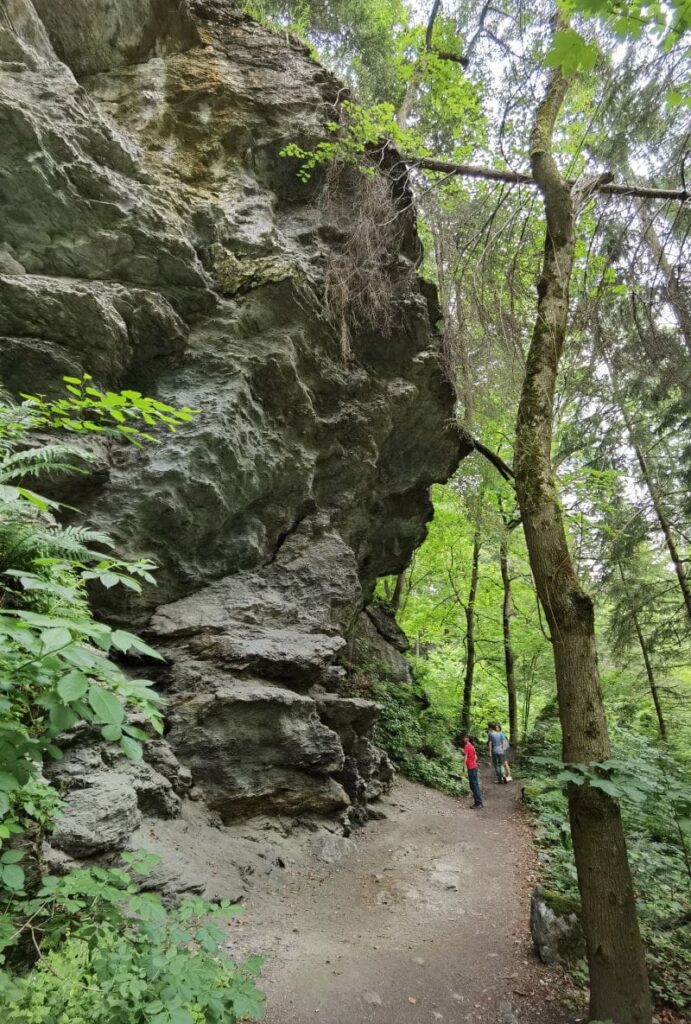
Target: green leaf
x=131, y=748
x=253, y=965
x=55, y=639
x=73, y=686
x=62, y=717
x=112, y=733
x=106, y=705
x=607, y=786
x=571, y=53
x=126, y=641
x=137, y=734
x=108, y=580
x=13, y=877
x=11, y=857
x=8, y=782
x=180, y=1016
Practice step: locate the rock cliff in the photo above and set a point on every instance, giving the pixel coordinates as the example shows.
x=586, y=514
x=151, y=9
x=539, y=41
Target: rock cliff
x=151, y=235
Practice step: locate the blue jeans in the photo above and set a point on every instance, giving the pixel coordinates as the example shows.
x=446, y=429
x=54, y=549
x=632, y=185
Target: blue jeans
x=475, y=785
x=498, y=762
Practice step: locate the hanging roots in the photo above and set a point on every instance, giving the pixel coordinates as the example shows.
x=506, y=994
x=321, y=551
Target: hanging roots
x=365, y=276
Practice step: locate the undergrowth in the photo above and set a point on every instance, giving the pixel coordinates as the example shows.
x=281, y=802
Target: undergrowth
x=653, y=809
x=417, y=738
x=89, y=947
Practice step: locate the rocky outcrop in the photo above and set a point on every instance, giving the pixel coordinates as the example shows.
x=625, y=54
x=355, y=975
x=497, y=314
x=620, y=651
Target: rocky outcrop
x=376, y=647
x=555, y=925
x=151, y=235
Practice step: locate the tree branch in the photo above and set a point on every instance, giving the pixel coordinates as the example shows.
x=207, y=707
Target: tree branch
x=516, y=178
x=442, y=54
x=492, y=457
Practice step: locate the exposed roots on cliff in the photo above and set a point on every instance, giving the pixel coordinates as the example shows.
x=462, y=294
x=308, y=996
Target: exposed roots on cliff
x=365, y=277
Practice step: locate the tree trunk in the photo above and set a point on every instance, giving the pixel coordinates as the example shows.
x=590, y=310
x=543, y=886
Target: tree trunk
x=648, y=665
x=397, y=592
x=662, y=518
x=509, y=657
x=676, y=296
x=470, y=635
x=619, y=988
x=651, y=678
x=664, y=522
x=528, y=681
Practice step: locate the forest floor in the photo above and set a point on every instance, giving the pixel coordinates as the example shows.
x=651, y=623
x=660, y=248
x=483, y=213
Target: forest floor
x=426, y=920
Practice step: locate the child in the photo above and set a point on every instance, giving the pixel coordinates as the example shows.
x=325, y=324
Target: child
x=470, y=760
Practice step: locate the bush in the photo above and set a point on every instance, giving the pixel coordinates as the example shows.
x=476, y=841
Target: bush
x=111, y=954
x=418, y=739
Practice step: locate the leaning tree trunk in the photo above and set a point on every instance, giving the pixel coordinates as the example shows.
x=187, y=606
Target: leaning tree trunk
x=648, y=480
x=665, y=525
x=470, y=635
x=509, y=657
x=619, y=988
x=654, y=692
x=642, y=643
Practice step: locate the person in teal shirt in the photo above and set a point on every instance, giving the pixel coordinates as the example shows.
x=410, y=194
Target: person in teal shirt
x=497, y=744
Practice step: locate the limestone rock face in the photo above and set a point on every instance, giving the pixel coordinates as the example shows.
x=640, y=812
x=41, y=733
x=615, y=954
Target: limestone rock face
x=375, y=648
x=556, y=928
x=98, y=818
x=151, y=235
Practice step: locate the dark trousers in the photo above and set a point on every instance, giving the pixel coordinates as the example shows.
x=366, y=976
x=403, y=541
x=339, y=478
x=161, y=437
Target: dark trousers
x=475, y=785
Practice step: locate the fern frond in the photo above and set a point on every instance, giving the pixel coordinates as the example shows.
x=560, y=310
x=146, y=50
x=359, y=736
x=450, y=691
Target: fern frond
x=23, y=540
x=33, y=462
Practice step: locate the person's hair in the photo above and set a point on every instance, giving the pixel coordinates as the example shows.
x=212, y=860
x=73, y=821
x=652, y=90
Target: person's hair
x=463, y=737
x=497, y=726
x=491, y=725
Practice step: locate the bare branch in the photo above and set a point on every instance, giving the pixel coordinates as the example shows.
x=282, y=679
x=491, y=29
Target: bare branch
x=517, y=178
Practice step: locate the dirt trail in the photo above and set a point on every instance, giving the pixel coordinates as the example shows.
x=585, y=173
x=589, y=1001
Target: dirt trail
x=425, y=921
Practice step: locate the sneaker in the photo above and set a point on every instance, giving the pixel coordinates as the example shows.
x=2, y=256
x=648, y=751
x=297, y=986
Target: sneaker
x=475, y=807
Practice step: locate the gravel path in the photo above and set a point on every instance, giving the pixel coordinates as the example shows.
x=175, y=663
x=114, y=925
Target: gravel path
x=426, y=920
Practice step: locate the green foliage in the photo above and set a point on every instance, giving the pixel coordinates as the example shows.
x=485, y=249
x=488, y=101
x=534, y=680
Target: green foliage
x=109, y=953
x=434, y=601
x=57, y=662
x=570, y=52
x=85, y=409
x=417, y=738
x=359, y=129
x=655, y=801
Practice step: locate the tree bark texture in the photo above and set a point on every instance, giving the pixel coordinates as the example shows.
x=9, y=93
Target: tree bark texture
x=397, y=592
x=619, y=989
x=470, y=635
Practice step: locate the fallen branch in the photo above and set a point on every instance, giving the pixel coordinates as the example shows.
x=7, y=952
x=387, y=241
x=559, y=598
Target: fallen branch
x=517, y=178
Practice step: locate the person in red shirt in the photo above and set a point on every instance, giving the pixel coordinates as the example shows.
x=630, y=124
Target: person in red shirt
x=470, y=759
